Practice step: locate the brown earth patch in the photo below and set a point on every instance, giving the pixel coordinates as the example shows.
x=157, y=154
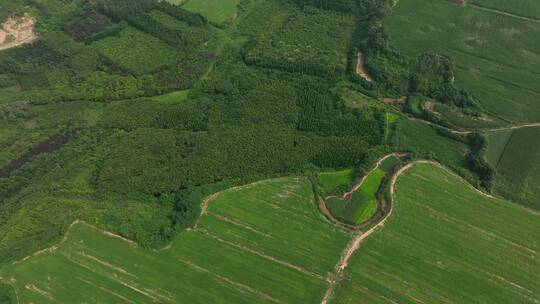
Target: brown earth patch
x=16, y=31
x=360, y=68
x=457, y=1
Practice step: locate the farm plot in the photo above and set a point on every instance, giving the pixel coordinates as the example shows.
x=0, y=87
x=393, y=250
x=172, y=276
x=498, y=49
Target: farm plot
x=518, y=167
x=262, y=243
x=335, y=181
x=312, y=41
x=496, y=56
x=217, y=11
x=446, y=243
x=137, y=52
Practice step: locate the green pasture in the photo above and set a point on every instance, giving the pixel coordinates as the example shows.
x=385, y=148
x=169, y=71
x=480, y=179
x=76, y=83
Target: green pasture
x=518, y=168
x=217, y=11
x=335, y=181
x=446, y=243
x=262, y=243
x=495, y=54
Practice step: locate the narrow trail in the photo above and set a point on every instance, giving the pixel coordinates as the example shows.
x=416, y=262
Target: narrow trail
x=503, y=13
x=358, y=239
x=469, y=131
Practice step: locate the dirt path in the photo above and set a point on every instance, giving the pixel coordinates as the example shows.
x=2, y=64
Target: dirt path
x=503, y=13
x=469, y=131
x=356, y=186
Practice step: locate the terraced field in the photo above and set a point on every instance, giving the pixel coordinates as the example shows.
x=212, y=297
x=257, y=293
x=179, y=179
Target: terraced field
x=446, y=243
x=495, y=51
x=262, y=243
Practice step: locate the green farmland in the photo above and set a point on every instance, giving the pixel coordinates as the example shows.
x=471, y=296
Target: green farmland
x=518, y=166
x=446, y=243
x=291, y=264
x=496, y=55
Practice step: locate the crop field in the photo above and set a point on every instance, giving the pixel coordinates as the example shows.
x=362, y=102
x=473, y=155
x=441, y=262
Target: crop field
x=217, y=11
x=289, y=266
x=137, y=52
x=334, y=181
x=311, y=41
x=440, y=247
x=518, y=168
x=495, y=54
x=419, y=137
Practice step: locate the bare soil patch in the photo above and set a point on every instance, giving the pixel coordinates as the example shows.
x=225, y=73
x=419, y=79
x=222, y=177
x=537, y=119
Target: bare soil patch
x=16, y=31
x=457, y=1
x=360, y=68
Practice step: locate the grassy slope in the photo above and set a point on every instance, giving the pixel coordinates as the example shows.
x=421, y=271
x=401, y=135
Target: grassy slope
x=518, y=170
x=275, y=218
x=496, y=55
x=445, y=243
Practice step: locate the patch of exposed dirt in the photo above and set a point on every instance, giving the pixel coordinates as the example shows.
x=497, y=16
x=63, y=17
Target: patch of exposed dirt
x=457, y=1
x=388, y=100
x=361, y=69
x=17, y=31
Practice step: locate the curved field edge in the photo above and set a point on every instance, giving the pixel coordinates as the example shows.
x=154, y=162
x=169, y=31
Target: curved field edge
x=299, y=248
x=381, y=206
x=445, y=242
